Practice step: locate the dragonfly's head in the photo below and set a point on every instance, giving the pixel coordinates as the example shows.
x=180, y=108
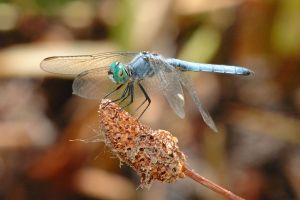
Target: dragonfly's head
x=118, y=73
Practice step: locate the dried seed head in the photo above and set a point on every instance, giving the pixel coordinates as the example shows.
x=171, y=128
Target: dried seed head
x=153, y=154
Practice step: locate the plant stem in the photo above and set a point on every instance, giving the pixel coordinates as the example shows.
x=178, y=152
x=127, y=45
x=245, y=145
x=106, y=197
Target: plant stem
x=211, y=185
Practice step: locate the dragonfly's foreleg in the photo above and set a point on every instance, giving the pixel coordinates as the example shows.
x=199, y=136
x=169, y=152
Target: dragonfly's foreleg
x=147, y=98
x=117, y=88
x=130, y=93
x=124, y=95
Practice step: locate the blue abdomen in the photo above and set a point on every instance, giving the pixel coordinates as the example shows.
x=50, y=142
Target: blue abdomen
x=198, y=67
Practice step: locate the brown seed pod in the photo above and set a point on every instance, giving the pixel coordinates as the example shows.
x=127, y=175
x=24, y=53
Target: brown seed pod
x=153, y=154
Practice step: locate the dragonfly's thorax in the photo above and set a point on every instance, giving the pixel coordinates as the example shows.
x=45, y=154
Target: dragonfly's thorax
x=118, y=73
x=140, y=66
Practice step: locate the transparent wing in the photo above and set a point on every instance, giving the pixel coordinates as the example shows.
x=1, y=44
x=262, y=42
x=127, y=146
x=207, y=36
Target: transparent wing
x=168, y=84
x=73, y=65
x=187, y=83
x=93, y=84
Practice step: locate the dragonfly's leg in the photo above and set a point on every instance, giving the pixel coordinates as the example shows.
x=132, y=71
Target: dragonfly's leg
x=131, y=93
x=124, y=95
x=140, y=107
x=147, y=98
x=117, y=88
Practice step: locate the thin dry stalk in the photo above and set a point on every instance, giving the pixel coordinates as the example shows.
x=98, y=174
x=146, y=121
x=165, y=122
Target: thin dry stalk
x=209, y=184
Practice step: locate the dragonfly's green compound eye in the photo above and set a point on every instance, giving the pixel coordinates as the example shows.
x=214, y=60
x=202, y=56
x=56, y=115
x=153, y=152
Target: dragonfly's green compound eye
x=118, y=73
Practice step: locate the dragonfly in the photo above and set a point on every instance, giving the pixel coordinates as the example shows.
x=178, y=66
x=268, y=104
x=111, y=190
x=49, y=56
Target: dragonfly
x=126, y=74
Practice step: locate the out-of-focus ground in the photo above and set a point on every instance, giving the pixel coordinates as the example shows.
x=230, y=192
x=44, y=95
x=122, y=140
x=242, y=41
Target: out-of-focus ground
x=256, y=153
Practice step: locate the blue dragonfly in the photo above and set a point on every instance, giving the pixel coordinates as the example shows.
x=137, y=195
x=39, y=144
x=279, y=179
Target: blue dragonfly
x=96, y=75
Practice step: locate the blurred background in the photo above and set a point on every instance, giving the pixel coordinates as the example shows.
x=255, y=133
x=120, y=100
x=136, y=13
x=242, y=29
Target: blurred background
x=256, y=153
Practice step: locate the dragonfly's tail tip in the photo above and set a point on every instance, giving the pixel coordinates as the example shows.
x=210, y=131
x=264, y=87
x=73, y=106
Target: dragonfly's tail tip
x=251, y=73
x=248, y=72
